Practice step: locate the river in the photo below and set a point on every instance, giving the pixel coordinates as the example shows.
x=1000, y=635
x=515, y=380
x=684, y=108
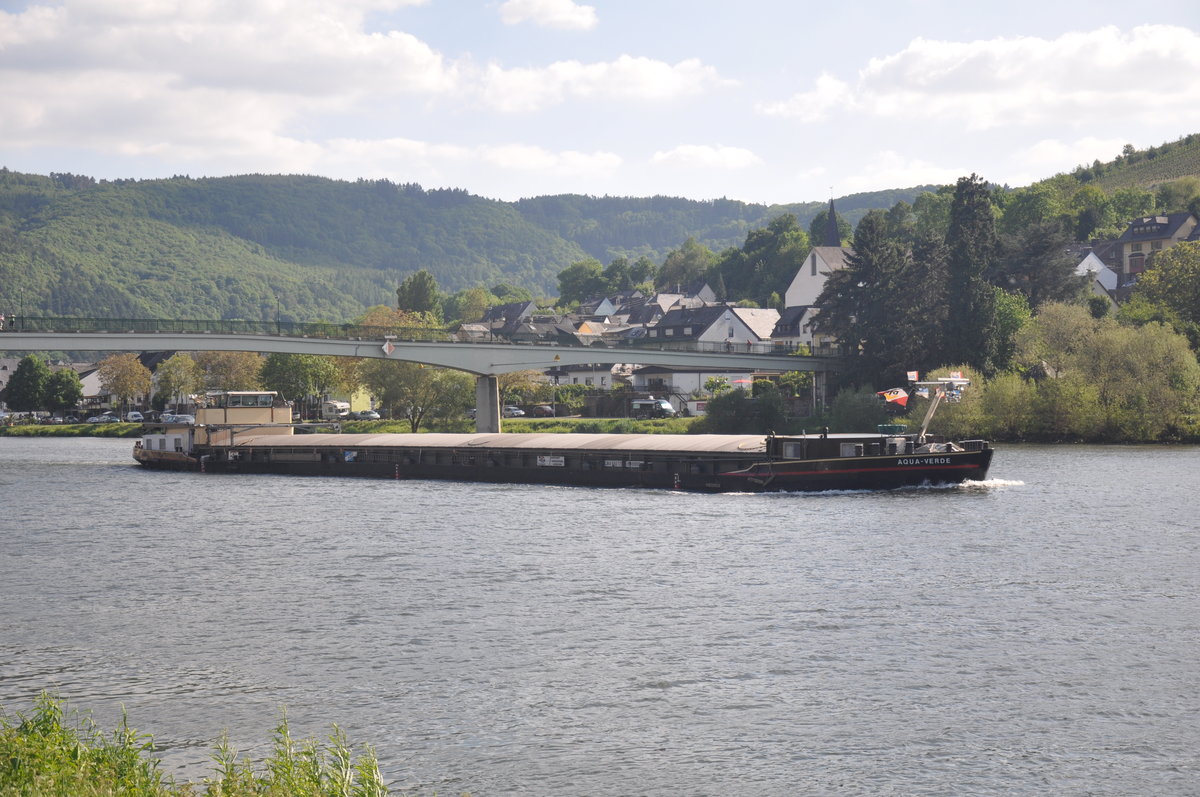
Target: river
x=1037, y=633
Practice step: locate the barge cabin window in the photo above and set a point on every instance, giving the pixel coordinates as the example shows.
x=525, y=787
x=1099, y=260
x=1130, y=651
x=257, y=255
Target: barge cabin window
x=244, y=398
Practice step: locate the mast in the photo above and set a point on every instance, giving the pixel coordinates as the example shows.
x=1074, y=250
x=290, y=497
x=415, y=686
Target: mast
x=955, y=383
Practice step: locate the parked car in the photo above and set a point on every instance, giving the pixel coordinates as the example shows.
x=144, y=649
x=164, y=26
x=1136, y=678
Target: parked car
x=168, y=417
x=71, y=419
x=543, y=411
x=652, y=408
x=134, y=417
x=365, y=415
x=104, y=418
x=513, y=412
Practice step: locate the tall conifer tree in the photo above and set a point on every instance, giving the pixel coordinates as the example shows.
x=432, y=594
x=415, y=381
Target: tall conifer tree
x=971, y=249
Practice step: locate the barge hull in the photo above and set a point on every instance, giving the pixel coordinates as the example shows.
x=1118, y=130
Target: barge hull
x=750, y=474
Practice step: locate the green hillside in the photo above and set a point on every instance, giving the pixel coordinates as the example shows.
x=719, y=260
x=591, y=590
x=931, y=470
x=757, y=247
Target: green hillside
x=1146, y=168
x=294, y=247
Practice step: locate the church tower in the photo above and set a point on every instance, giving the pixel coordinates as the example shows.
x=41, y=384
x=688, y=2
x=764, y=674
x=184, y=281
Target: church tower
x=833, y=236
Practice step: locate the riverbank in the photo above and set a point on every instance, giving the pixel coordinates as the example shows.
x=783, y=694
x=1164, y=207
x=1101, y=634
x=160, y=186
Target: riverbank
x=72, y=430
x=516, y=425
x=53, y=750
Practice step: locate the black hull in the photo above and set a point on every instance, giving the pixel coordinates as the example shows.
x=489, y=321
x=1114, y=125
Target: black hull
x=752, y=475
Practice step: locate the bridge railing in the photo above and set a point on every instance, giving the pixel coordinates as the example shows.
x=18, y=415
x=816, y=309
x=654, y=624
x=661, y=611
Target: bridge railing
x=298, y=329
x=306, y=329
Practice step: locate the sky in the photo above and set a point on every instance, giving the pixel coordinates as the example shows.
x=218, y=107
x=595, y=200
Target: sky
x=765, y=101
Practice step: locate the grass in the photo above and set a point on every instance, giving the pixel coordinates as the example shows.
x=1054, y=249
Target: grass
x=72, y=430
x=52, y=753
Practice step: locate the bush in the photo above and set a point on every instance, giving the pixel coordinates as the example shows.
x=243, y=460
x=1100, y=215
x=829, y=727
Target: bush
x=40, y=754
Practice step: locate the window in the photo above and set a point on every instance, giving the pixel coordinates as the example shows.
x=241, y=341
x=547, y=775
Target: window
x=669, y=332
x=1137, y=264
x=1156, y=245
x=1135, y=247
x=687, y=330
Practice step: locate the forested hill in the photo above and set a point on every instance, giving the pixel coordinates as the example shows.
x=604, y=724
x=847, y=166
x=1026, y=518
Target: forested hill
x=305, y=248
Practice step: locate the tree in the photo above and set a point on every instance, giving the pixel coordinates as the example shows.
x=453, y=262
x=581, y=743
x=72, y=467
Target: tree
x=299, y=376
x=580, y=281
x=230, y=370
x=858, y=304
x=506, y=293
x=716, y=384
x=518, y=386
x=177, y=377
x=418, y=393
x=64, y=391
x=931, y=213
x=971, y=249
x=468, y=304
x=26, y=389
x=1173, y=281
x=1007, y=404
x=1177, y=195
x=767, y=261
x=1012, y=314
x=642, y=270
x=617, y=277
x=1037, y=204
x=1093, y=211
x=1131, y=203
x=1100, y=380
x=689, y=263
x=855, y=410
x=1036, y=262
x=419, y=294
x=124, y=376
x=735, y=412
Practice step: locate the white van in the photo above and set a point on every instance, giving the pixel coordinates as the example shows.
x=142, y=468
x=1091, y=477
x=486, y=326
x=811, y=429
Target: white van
x=334, y=410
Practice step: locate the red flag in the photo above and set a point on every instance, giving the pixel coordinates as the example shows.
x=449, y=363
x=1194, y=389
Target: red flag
x=895, y=395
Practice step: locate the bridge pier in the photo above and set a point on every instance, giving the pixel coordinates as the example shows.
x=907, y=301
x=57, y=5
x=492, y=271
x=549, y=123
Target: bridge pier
x=487, y=404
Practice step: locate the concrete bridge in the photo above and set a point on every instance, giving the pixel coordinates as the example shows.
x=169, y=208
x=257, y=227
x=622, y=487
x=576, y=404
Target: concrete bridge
x=486, y=360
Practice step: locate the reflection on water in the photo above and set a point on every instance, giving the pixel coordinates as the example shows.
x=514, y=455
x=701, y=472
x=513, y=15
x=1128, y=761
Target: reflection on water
x=1032, y=633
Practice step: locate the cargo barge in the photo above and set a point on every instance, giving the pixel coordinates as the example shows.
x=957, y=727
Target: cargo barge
x=245, y=432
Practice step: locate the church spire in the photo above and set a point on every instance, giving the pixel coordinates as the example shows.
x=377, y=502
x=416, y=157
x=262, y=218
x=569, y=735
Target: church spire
x=833, y=236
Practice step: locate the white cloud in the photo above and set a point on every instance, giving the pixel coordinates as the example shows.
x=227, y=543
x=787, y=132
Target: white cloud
x=560, y=14
x=889, y=169
x=202, y=81
x=695, y=155
x=1051, y=155
x=828, y=94
x=1078, y=78
x=431, y=161
x=628, y=77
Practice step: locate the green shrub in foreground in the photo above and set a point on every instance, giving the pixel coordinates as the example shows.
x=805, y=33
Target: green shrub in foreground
x=43, y=756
